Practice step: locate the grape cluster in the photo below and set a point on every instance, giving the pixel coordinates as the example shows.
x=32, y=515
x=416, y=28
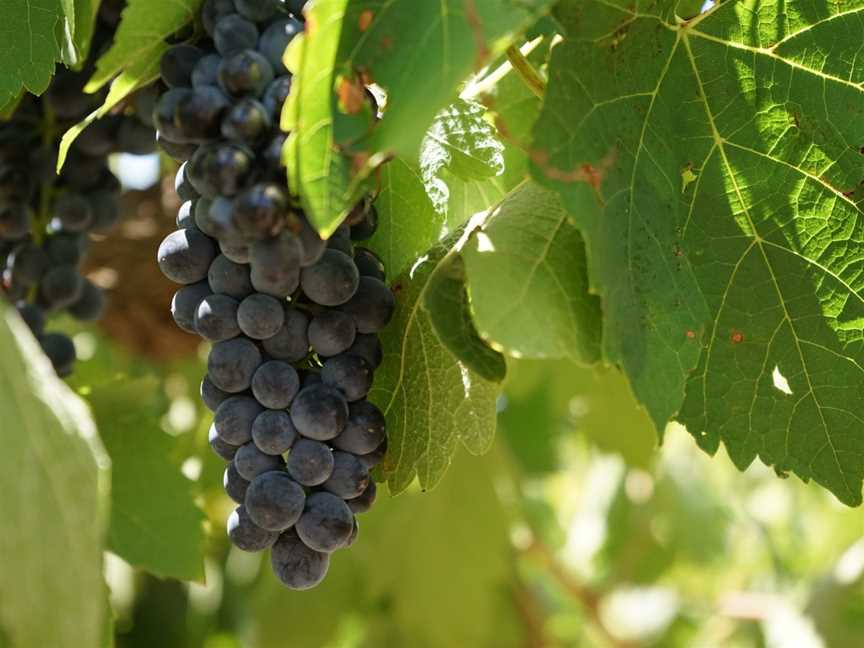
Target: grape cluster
x=45, y=219
x=293, y=319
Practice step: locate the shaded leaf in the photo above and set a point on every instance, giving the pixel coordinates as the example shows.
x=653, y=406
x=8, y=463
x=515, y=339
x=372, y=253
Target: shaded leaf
x=54, y=482
x=447, y=303
x=430, y=399
x=528, y=280
x=154, y=523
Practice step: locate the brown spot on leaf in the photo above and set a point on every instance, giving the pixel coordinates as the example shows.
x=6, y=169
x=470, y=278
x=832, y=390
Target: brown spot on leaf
x=691, y=335
x=365, y=19
x=352, y=94
x=737, y=337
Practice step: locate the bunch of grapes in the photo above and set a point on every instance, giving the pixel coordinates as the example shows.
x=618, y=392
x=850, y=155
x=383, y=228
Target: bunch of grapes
x=46, y=220
x=293, y=320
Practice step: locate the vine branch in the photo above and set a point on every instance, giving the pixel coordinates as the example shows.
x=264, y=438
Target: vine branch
x=526, y=71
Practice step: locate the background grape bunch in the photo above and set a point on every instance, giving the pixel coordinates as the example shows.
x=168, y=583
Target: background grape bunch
x=293, y=319
x=46, y=220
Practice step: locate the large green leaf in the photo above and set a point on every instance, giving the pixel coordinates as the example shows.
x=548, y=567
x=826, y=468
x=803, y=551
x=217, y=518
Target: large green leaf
x=336, y=140
x=54, y=482
x=154, y=521
x=431, y=400
x=528, y=281
x=709, y=164
x=29, y=46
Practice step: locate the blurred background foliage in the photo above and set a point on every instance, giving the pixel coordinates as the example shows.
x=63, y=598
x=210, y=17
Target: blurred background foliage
x=575, y=530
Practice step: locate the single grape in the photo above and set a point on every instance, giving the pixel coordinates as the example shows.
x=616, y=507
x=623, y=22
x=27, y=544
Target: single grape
x=368, y=347
x=28, y=263
x=185, y=303
x=368, y=264
x=65, y=249
x=350, y=476
x=232, y=364
x=260, y=211
x=165, y=113
x=60, y=287
x=14, y=221
x=291, y=342
x=223, y=449
x=233, y=34
x=234, y=418
x=367, y=225
x=72, y=213
x=185, y=218
x=216, y=318
x=206, y=71
x=211, y=395
x=372, y=459
x=245, y=73
x=310, y=462
x=229, y=278
x=273, y=432
x=33, y=316
x=185, y=191
x=212, y=11
x=332, y=281
x=275, y=95
x=331, y=332
x=350, y=374
x=354, y=533
x=236, y=252
x=371, y=306
x=60, y=351
x=313, y=245
x=326, y=523
x=199, y=114
x=319, y=412
x=248, y=122
x=177, y=63
x=219, y=169
x=275, y=39
x=276, y=265
x=295, y=564
x=274, y=500
x=260, y=316
x=185, y=256
x=364, y=431
x=90, y=305
x=246, y=535
x=275, y=384
x=235, y=486
x=257, y=10
x=365, y=500
x=251, y=462
x=341, y=240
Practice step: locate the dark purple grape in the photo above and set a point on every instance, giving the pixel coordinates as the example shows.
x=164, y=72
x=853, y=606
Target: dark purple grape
x=275, y=384
x=368, y=347
x=216, y=318
x=363, y=502
x=331, y=332
x=310, y=462
x=259, y=212
x=233, y=34
x=251, y=462
x=235, y=486
x=232, y=364
x=364, y=431
x=247, y=122
x=234, y=418
x=245, y=73
x=332, y=281
x=275, y=39
x=295, y=564
x=326, y=523
x=368, y=264
x=349, y=478
x=185, y=256
x=90, y=305
x=211, y=395
x=60, y=351
x=290, y=343
x=246, y=535
x=177, y=63
x=273, y=432
x=274, y=500
x=276, y=265
x=350, y=374
x=185, y=303
x=371, y=306
x=319, y=412
x=223, y=449
x=229, y=278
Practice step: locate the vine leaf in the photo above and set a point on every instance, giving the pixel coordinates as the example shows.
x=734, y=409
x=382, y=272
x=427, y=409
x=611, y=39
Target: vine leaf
x=447, y=303
x=29, y=46
x=336, y=141
x=528, y=280
x=432, y=401
x=154, y=522
x=732, y=301
x=54, y=482
x=132, y=61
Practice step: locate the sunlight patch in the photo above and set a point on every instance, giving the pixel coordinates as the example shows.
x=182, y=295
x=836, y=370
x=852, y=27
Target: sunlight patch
x=780, y=381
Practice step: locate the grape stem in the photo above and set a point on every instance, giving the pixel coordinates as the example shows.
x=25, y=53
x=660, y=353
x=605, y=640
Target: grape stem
x=526, y=71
